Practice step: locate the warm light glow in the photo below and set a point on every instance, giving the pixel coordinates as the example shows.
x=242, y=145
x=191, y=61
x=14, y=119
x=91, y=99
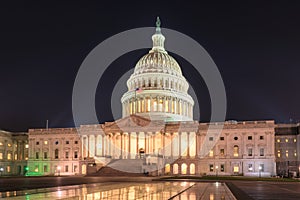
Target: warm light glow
x=236, y=169
x=183, y=168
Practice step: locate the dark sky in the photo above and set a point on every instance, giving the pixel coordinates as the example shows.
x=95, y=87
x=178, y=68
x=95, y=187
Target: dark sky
x=256, y=47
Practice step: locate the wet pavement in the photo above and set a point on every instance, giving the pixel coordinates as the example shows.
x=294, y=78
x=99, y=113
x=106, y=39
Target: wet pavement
x=265, y=190
x=128, y=190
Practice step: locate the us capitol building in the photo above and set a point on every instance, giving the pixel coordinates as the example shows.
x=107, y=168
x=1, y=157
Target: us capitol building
x=155, y=136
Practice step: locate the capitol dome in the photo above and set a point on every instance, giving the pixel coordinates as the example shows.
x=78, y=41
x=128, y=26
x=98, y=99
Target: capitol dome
x=157, y=89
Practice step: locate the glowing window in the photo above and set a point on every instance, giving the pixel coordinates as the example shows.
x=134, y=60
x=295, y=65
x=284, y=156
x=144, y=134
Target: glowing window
x=295, y=140
x=9, y=145
x=45, y=142
x=166, y=106
x=286, y=140
x=8, y=169
x=192, y=168
x=36, y=168
x=1, y=143
x=250, y=168
x=1, y=155
x=295, y=153
x=278, y=140
x=287, y=153
x=167, y=168
x=235, y=151
x=175, y=169
x=183, y=168
x=148, y=105
x=211, y=153
x=9, y=156
x=26, y=146
x=236, y=169
x=278, y=153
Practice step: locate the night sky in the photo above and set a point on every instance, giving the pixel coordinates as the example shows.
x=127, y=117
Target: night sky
x=256, y=47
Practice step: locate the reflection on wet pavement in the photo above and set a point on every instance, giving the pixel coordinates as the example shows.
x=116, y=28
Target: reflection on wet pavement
x=143, y=191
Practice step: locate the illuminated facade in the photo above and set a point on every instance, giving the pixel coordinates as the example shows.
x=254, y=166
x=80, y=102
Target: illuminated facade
x=13, y=153
x=157, y=134
x=157, y=88
x=287, y=148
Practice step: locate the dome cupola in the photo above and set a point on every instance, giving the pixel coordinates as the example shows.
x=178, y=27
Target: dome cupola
x=157, y=88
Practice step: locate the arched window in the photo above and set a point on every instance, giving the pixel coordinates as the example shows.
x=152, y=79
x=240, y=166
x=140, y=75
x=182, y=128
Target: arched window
x=56, y=153
x=183, y=168
x=236, y=151
x=167, y=168
x=192, y=168
x=175, y=169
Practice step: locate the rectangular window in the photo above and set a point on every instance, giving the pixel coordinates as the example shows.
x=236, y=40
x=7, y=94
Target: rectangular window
x=250, y=152
x=67, y=142
x=236, y=169
x=45, y=168
x=286, y=140
x=75, y=168
x=67, y=168
x=278, y=153
x=295, y=140
x=250, y=168
x=249, y=137
x=211, y=168
x=45, y=155
x=261, y=167
x=36, y=168
x=235, y=151
x=26, y=146
x=221, y=138
x=8, y=169
x=67, y=154
x=1, y=155
x=261, y=151
x=16, y=156
x=9, y=156
x=222, y=167
x=45, y=142
x=295, y=153
x=36, y=155
x=37, y=143
x=1, y=144
x=76, y=142
x=287, y=153
x=211, y=138
x=75, y=154
x=261, y=137
x=222, y=152
x=211, y=153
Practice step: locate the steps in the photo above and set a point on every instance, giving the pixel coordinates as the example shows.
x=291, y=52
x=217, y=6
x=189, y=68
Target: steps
x=122, y=167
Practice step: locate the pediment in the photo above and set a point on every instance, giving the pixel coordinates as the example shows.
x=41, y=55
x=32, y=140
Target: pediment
x=132, y=123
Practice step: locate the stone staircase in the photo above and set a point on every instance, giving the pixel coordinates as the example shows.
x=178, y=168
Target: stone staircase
x=122, y=167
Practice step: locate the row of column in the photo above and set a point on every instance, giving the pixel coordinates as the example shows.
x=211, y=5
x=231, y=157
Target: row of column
x=158, y=83
x=133, y=145
x=157, y=104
